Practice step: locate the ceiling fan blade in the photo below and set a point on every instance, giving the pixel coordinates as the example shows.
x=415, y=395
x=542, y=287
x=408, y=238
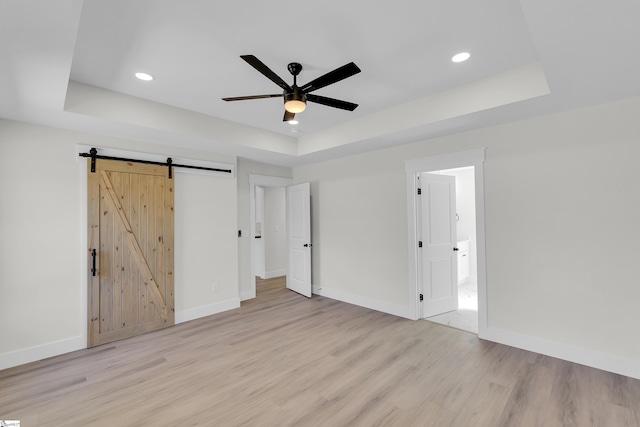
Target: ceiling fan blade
x=331, y=77
x=259, y=65
x=242, y=98
x=288, y=116
x=331, y=102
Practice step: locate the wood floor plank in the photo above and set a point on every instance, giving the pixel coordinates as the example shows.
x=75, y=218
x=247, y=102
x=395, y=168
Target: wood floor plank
x=570, y=400
x=529, y=398
x=284, y=360
x=607, y=414
x=485, y=408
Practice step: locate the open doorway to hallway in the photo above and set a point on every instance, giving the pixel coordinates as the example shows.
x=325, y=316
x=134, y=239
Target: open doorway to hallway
x=262, y=182
x=270, y=254
x=465, y=317
x=297, y=230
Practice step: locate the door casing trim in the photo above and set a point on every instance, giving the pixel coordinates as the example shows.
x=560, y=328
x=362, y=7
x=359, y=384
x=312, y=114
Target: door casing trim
x=261, y=181
x=458, y=159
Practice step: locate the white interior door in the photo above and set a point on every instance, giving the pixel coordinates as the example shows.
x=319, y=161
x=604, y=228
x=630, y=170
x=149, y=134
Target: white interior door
x=259, y=246
x=299, y=238
x=439, y=236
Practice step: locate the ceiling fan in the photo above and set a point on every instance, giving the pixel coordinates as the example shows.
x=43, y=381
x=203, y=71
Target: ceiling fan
x=296, y=97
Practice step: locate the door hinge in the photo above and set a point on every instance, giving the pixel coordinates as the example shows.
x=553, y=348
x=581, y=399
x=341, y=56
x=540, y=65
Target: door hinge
x=419, y=191
x=421, y=297
x=420, y=244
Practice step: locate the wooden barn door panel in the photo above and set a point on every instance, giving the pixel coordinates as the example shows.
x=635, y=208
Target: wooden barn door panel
x=131, y=229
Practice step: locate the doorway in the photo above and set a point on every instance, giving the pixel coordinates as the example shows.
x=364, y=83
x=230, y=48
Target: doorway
x=463, y=159
x=270, y=242
x=298, y=232
x=255, y=183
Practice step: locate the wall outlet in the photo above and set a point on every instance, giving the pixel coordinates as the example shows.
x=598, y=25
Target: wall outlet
x=216, y=286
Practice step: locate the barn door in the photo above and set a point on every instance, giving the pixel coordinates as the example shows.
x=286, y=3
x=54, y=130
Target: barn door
x=130, y=237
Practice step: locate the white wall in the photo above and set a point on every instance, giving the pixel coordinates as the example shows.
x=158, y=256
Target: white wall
x=561, y=193
x=206, y=245
x=42, y=262
x=40, y=268
x=359, y=230
x=274, y=232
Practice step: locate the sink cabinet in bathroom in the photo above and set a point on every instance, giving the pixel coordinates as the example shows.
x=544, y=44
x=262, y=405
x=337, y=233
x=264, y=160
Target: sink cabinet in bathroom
x=463, y=260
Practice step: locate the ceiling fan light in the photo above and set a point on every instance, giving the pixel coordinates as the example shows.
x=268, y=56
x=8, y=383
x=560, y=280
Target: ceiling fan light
x=295, y=106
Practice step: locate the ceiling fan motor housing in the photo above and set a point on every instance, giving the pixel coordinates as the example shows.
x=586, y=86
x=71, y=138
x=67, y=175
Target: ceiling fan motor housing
x=295, y=101
x=295, y=95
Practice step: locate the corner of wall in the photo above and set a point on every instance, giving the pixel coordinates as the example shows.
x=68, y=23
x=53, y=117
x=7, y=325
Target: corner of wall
x=373, y=304
x=206, y=310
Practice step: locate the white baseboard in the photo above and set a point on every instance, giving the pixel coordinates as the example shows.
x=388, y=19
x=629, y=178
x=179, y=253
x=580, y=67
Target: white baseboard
x=275, y=273
x=32, y=354
x=206, y=310
x=373, y=304
x=594, y=359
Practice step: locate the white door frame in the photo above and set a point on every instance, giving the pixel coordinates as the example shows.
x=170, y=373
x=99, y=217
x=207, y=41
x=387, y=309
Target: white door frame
x=261, y=181
x=459, y=159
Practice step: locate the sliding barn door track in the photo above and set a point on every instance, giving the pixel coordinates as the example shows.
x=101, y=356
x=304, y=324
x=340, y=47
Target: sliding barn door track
x=93, y=154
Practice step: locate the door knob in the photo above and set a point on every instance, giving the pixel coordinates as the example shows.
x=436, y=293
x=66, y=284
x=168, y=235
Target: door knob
x=455, y=249
x=307, y=245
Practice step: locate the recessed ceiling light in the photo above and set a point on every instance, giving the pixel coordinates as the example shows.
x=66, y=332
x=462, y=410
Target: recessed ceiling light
x=460, y=57
x=293, y=122
x=144, y=76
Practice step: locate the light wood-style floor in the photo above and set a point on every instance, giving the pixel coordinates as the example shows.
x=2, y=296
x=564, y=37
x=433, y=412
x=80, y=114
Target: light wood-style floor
x=282, y=359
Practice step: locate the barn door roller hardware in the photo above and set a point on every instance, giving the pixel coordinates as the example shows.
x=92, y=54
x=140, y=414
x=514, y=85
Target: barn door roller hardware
x=93, y=154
